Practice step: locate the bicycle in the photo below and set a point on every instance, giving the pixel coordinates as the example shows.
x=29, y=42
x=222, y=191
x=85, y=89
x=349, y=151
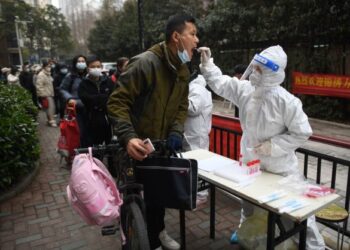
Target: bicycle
x=132, y=214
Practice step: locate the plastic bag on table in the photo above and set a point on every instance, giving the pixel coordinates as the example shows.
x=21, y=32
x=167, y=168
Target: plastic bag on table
x=253, y=233
x=295, y=183
x=315, y=191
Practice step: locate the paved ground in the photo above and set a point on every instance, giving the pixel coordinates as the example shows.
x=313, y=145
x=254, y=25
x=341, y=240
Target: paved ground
x=41, y=218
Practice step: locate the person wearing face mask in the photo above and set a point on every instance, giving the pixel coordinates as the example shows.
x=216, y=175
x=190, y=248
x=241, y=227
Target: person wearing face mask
x=122, y=63
x=45, y=91
x=152, y=102
x=61, y=72
x=273, y=122
x=26, y=81
x=12, y=77
x=69, y=95
x=94, y=91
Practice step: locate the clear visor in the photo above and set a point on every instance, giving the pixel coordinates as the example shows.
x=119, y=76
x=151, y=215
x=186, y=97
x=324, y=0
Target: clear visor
x=259, y=60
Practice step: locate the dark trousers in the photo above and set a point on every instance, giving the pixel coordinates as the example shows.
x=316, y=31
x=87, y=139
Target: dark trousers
x=85, y=139
x=155, y=223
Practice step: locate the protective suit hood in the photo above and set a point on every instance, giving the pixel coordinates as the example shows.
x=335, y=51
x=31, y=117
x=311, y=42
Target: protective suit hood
x=277, y=55
x=272, y=62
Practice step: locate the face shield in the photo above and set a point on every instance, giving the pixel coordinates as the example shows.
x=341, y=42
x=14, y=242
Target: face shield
x=259, y=60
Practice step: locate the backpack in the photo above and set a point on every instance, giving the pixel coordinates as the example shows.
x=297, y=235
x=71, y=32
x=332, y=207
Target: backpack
x=92, y=191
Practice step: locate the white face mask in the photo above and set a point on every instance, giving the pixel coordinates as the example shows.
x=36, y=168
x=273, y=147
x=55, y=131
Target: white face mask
x=64, y=71
x=184, y=57
x=96, y=72
x=81, y=65
x=255, y=78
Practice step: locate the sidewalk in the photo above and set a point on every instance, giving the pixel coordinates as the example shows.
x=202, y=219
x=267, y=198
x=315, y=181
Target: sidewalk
x=41, y=218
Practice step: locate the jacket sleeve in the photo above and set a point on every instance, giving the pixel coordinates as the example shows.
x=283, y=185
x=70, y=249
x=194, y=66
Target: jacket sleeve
x=121, y=100
x=64, y=88
x=178, y=125
x=225, y=86
x=297, y=133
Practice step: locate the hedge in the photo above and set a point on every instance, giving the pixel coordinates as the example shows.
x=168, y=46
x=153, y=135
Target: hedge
x=19, y=143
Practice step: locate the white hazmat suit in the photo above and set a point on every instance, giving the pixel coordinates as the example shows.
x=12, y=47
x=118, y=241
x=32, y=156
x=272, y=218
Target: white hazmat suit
x=273, y=122
x=198, y=123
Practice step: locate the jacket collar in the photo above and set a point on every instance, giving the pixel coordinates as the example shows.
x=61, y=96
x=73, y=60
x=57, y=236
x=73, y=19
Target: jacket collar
x=164, y=52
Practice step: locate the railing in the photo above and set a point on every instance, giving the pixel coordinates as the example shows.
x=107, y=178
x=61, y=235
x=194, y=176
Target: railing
x=336, y=163
x=228, y=121
x=226, y=141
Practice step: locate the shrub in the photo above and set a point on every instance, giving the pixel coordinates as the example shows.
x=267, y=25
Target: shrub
x=326, y=108
x=19, y=144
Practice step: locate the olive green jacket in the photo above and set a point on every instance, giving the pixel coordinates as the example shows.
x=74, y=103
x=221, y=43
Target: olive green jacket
x=152, y=99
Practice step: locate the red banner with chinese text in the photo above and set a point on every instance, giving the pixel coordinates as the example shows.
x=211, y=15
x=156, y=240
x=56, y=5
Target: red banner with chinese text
x=321, y=84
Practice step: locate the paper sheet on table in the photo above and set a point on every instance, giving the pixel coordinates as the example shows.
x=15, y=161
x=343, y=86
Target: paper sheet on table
x=215, y=162
x=232, y=175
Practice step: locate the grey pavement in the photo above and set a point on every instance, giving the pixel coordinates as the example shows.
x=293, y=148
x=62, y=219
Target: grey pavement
x=41, y=218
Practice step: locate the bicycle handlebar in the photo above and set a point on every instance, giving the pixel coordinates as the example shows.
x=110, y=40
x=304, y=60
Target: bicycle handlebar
x=158, y=144
x=98, y=148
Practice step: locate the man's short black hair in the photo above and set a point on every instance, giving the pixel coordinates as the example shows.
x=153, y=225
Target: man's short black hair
x=239, y=69
x=92, y=59
x=177, y=23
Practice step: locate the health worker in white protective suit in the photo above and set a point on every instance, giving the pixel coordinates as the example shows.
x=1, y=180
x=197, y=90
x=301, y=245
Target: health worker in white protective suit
x=198, y=123
x=273, y=122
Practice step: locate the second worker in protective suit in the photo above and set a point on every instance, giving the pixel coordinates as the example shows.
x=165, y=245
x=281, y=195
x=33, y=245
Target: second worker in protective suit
x=198, y=123
x=273, y=122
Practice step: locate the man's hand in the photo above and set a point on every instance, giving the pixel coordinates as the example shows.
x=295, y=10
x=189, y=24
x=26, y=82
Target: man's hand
x=263, y=148
x=205, y=54
x=71, y=102
x=175, y=142
x=136, y=149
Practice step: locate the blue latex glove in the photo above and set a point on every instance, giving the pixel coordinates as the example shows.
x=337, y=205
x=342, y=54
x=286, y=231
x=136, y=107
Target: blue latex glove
x=174, y=142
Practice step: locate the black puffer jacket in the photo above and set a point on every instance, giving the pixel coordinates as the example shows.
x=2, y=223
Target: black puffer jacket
x=94, y=96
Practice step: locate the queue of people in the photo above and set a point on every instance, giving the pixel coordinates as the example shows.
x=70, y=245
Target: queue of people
x=151, y=96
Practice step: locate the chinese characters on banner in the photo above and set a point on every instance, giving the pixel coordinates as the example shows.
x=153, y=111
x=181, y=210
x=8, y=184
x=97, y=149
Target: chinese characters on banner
x=320, y=84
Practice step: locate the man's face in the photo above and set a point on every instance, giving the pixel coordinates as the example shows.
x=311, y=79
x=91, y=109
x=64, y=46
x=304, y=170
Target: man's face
x=188, y=39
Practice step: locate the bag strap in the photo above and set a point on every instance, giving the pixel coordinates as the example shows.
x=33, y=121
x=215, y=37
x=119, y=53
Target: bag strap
x=71, y=110
x=175, y=154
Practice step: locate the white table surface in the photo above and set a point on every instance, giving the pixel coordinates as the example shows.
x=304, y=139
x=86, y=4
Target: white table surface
x=265, y=183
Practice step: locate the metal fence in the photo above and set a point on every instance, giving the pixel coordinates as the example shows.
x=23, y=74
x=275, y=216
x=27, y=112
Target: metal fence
x=226, y=142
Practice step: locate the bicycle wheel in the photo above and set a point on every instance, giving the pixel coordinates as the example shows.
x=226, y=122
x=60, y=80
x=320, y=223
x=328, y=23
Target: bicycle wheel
x=134, y=228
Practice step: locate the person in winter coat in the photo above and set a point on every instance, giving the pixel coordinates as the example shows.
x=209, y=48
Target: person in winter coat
x=94, y=91
x=152, y=102
x=273, y=122
x=61, y=72
x=198, y=123
x=26, y=81
x=12, y=77
x=69, y=94
x=45, y=91
x=122, y=62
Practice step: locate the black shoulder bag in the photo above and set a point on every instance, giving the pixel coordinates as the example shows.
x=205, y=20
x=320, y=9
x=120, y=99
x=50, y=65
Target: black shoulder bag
x=168, y=181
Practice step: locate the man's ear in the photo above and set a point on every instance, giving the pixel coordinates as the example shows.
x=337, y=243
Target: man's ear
x=175, y=37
